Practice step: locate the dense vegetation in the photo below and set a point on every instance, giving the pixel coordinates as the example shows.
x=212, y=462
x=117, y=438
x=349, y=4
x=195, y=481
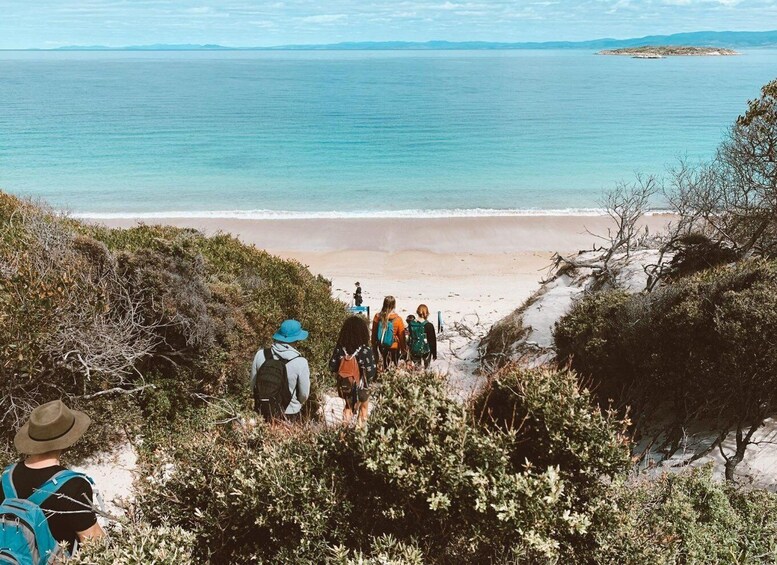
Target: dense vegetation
x=141, y=326
x=702, y=348
x=151, y=330
x=432, y=481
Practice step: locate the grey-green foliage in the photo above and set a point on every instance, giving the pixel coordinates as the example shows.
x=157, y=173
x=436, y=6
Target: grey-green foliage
x=705, y=344
x=134, y=543
x=686, y=518
x=423, y=480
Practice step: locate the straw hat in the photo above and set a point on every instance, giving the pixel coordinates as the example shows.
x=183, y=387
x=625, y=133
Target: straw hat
x=51, y=426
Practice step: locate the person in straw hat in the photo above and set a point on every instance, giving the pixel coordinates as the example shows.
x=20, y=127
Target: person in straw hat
x=52, y=428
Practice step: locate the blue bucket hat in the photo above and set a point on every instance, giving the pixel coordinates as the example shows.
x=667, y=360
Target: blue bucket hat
x=290, y=331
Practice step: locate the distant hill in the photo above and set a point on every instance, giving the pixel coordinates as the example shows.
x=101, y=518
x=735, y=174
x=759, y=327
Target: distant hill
x=730, y=39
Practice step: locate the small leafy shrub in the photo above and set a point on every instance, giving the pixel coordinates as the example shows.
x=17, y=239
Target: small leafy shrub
x=249, y=495
x=555, y=422
x=135, y=543
x=422, y=474
x=696, y=252
x=686, y=518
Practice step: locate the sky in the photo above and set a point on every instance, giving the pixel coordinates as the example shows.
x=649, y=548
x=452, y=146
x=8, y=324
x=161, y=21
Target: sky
x=243, y=23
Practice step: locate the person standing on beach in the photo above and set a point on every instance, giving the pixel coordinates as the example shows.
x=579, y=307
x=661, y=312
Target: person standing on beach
x=354, y=364
x=61, y=496
x=280, y=376
x=357, y=295
x=423, y=339
x=388, y=333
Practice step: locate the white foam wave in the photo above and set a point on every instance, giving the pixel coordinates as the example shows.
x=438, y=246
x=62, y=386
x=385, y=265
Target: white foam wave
x=299, y=215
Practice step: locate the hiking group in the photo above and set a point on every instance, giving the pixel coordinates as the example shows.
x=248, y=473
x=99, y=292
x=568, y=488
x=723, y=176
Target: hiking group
x=280, y=374
x=46, y=510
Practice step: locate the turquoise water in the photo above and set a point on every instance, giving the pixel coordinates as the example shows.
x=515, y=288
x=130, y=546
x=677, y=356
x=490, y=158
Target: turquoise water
x=355, y=132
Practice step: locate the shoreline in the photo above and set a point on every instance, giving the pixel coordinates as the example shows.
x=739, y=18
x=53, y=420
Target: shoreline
x=449, y=235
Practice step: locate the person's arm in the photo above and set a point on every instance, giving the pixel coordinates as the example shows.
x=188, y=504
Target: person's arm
x=399, y=328
x=93, y=532
x=334, y=361
x=255, y=367
x=303, y=381
x=431, y=337
x=77, y=504
x=370, y=366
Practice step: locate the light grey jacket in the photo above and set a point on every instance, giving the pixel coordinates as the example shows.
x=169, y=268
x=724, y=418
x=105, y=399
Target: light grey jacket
x=297, y=371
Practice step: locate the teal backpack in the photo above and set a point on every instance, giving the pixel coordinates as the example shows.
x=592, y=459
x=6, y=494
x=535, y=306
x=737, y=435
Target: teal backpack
x=25, y=537
x=419, y=344
x=386, y=334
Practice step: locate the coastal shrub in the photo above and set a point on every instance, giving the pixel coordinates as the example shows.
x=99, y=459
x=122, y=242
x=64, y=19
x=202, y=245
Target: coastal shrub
x=146, y=322
x=426, y=473
x=686, y=518
x=702, y=346
x=422, y=473
x=555, y=422
x=250, y=495
x=135, y=542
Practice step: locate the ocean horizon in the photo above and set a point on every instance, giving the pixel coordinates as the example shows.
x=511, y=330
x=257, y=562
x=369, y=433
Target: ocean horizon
x=356, y=134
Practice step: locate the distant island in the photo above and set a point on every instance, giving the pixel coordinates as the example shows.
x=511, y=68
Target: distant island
x=707, y=39
x=661, y=51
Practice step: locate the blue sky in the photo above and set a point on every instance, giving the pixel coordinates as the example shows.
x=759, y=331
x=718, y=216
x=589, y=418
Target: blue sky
x=53, y=23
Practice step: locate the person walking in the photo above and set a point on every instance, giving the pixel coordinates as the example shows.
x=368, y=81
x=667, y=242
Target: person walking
x=422, y=339
x=388, y=333
x=280, y=376
x=46, y=509
x=357, y=295
x=354, y=364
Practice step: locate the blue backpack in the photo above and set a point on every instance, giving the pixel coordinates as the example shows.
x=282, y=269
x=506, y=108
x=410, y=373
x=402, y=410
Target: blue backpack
x=386, y=333
x=25, y=537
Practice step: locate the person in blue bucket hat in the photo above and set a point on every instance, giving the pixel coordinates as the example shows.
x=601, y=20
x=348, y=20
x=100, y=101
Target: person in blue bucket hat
x=280, y=375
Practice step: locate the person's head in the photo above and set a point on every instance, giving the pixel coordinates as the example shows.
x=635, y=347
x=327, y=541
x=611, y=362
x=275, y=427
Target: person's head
x=389, y=303
x=410, y=318
x=422, y=311
x=358, y=283
x=51, y=428
x=290, y=332
x=354, y=334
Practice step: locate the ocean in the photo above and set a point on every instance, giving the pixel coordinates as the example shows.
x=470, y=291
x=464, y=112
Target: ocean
x=330, y=133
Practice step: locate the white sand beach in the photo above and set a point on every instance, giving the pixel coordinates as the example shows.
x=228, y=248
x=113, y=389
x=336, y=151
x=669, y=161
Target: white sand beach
x=481, y=265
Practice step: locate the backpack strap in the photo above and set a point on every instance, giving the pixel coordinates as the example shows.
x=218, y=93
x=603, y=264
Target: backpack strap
x=8, y=489
x=53, y=485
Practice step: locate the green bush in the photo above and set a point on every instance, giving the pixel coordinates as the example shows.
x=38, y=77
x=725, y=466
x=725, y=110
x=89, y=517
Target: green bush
x=422, y=473
x=135, y=543
x=555, y=423
x=704, y=345
x=85, y=310
x=686, y=518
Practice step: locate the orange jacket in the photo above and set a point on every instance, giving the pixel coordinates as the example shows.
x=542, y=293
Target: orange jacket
x=399, y=331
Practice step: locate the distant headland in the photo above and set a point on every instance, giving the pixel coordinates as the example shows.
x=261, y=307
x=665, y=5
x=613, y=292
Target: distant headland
x=716, y=39
x=661, y=51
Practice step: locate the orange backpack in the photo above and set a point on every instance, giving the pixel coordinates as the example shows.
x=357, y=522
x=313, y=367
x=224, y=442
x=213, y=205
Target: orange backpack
x=349, y=368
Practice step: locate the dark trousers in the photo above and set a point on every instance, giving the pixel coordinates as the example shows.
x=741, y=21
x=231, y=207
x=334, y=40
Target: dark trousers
x=390, y=356
x=427, y=360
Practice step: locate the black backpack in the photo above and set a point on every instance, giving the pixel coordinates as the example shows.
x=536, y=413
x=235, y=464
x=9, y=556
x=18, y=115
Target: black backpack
x=271, y=389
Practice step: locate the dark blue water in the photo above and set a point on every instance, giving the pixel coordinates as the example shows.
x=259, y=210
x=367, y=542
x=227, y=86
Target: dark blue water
x=356, y=131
